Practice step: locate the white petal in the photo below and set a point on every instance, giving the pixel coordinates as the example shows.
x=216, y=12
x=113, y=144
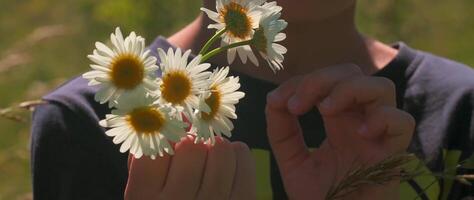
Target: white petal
x=150, y=84
x=94, y=74
x=104, y=94
x=162, y=55
x=104, y=61
x=122, y=136
x=100, y=68
x=211, y=14
x=127, y=144
x=150, y=61
x=138, y=148
x=115, y=131
x=228, y=112
x=242, y=51
x=218, y=26
x=204, y=107
x=104, y=49
x=279, y=48
x=228, y=123
x=195, y=61
x=280, y=37
x=235, y=95
x=231, y=55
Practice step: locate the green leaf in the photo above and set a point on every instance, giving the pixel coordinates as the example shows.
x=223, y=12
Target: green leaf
x=468, y=163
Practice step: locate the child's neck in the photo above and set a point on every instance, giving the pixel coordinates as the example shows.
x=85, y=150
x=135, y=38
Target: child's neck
x=311, y=45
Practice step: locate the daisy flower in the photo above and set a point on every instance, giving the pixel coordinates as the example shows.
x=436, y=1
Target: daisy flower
x=216, y=107
x=121, y=69
x=181, y=82
x=268, y=34
x=238, y=18
x=143, y=127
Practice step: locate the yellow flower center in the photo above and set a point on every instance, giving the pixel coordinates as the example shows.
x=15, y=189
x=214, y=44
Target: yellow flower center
x=236, y=20
x=213, y=101
x=176, y=87
x=146, y=120
x=259, y=40
x=127, y=71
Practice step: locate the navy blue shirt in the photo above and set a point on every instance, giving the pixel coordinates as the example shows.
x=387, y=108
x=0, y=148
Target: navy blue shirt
x=72, y=158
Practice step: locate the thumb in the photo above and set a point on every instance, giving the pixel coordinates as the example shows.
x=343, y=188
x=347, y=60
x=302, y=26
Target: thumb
x=283, y=129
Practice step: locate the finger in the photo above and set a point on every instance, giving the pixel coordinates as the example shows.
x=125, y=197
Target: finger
x=318, y=84
x=283, y=129
x=244, y=186
x=146, y=177
x=367, y=91
x=186, y=170
x=219, y=172
x=278, y=98
x=395, y=127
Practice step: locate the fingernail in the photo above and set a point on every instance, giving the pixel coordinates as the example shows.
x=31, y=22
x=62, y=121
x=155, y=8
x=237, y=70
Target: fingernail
x=362, y=130
x=326, y=103
x=293, y=103
x=272, y=95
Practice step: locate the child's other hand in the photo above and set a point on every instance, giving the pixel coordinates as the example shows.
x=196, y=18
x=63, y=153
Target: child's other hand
x=362, y=125
x=196, y=171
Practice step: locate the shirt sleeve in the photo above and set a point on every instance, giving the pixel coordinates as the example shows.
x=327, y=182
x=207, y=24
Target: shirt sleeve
x=49, y=142
x=72, y=158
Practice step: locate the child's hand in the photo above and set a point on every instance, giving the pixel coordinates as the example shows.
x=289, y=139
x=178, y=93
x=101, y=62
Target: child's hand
x=362, y=125
x=196, y=171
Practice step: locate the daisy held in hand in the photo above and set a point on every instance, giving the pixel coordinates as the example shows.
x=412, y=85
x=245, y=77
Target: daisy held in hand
x=143, y=127
x=151, y=111
x=268, y=33
x=217, y=106
x=235, y=22
x=181, y=82
x=262, y=35
x=124, y=68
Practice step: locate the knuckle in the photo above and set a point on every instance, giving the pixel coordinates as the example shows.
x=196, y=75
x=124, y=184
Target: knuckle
x=410, y=121
x=186, y=147
x=273, y=101
x=199, y=147
x=405, y=120
x=386, y=83
x=347, y=88
x=313, y=82
x=268, y=107
x=222, y=141
x=306, y=90
x=352, y=68
x=310, y=80
x=240, y=147
x=221, y=147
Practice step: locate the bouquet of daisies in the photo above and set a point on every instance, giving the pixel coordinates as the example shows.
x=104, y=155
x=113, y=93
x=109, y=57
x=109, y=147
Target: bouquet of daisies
x=150, y=111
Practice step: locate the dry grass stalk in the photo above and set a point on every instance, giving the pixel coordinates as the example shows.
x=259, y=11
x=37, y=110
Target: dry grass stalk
x=17, y=55
x=38, y=35
x=8, y=113
x=14, y=113
x=378, y=174
x=12, y=60
x=31, y=105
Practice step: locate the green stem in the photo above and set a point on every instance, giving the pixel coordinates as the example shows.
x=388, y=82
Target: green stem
x=224, y=48
x=211, y=41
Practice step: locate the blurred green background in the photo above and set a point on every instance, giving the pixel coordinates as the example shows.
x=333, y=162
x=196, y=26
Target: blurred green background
x=45, y=42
